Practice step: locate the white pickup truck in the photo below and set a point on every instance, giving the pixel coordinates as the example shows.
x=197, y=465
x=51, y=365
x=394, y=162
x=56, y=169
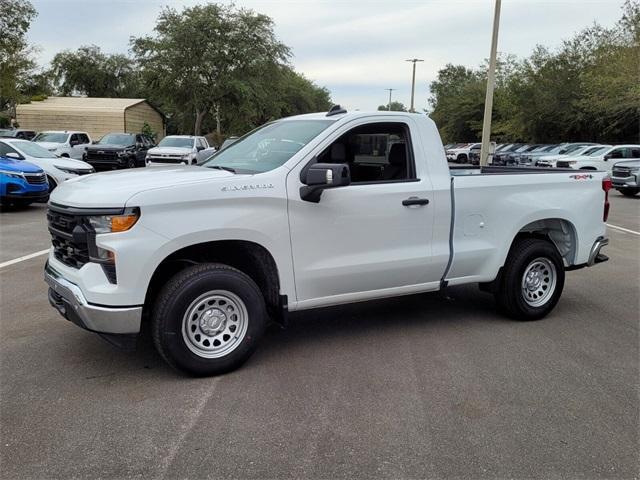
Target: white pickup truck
x=305, y=212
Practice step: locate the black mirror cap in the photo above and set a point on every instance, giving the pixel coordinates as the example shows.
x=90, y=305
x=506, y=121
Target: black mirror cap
x=321, y=176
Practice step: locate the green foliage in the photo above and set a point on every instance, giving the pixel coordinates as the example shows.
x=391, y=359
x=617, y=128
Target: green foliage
x=207, y=57
x=90, y=72
x=16, y=61
x=395, y=107
x=148, y=131
x=5, y=121
x=589, y=89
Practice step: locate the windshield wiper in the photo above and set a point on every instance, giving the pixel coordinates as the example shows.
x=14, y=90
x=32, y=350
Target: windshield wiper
x=220, y=167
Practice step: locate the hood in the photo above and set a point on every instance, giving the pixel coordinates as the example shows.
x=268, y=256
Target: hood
x=628, y=163
x=18, y=166
x=169, y=150
x=113, y=189
x=49, y=145
x=69, y=163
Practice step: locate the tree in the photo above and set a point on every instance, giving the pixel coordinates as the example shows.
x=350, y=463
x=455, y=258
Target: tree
x=90, y=72
x=205, y=56
x=15, y=54
x=395, y=107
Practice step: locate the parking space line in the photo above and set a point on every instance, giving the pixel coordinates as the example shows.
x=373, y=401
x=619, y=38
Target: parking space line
x=23, y=258
x=615, y=227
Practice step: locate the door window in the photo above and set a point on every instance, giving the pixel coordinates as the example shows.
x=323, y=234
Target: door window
x=4, y=149
x=376, y=152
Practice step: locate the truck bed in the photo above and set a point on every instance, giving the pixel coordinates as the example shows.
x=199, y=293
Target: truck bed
x=459, y=170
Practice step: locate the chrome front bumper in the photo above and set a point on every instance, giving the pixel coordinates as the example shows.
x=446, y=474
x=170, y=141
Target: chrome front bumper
x=67, y=298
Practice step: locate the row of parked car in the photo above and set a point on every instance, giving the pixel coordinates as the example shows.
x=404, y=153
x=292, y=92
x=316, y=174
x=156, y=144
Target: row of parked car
x=622, y=161
x=32, y=164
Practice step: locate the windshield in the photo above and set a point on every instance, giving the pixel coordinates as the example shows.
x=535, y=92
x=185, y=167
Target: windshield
x=51, y=137
x=33, y=149
x=180, y=142
x=268, y=147
x=596, y=151
x=572, y=148
x=120, y=139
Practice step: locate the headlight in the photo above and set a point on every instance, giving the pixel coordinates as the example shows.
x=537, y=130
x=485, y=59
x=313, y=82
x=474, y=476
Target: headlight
x=12, y=174
x=66, y=170
x=115, y=223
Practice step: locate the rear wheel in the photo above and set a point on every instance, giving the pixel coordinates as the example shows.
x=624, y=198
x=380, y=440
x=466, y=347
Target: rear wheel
x=532, y=280
x=208, y=319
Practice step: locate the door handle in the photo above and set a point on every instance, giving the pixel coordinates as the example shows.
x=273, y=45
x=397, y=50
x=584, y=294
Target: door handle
x=415, y=201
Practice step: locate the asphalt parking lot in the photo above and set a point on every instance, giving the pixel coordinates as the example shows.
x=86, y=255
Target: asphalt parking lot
x=422, y=386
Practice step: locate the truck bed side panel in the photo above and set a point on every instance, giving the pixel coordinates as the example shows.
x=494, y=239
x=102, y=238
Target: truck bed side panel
x=490, y=210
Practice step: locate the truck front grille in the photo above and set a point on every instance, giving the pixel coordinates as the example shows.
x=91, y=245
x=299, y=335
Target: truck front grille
x=69, y=238
x=620, y=172
x=35, y=178
x=101, y=155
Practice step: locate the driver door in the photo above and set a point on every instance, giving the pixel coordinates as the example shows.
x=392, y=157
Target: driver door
x=362, y=240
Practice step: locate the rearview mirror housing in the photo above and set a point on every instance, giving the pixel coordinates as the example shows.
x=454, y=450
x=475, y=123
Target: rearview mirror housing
x=321, y=176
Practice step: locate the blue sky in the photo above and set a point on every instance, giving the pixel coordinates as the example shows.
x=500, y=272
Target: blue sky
x=355, y=48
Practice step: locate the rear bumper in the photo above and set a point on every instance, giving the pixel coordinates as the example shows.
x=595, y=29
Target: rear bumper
x=594, y=255
x=68, y=299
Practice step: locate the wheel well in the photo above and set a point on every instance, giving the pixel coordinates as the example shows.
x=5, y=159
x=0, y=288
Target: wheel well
x=560, y=232
x=248, y=257
x=66, y=155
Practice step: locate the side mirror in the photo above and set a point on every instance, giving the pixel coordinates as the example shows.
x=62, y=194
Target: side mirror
x=73, y=143
x=321, y=176
x=199, y=148
x=607, y=157
x=14, y=155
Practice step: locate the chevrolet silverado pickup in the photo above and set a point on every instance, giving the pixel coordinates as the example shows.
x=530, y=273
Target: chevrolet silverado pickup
x=306, y=212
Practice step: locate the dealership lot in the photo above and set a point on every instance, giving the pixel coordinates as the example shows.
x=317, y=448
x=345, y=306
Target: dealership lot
x=422, y=386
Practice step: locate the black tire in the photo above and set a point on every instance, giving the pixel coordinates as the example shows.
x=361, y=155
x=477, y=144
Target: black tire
x=629, y=192
x=461, y=158
x=131, y=163
x=177, y=297
x=510, y=296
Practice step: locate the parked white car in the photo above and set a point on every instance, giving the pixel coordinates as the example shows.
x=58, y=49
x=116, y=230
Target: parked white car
x=305, y=212
x=550, y=160
x=461, y=154
x=179, y=149
x=58, y=169
x=601, y=159
x=64, y=143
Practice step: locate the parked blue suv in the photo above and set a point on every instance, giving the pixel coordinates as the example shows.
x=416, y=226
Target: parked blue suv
x=22, y=183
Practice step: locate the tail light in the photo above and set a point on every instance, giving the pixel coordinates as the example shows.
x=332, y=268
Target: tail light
x=606, y=186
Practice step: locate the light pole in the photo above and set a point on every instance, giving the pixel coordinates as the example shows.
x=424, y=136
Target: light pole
x=491, y=77
x=389, y=104
x=413, y=79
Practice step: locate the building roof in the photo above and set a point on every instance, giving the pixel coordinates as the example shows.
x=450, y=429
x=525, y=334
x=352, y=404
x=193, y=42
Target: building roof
x=80, y=104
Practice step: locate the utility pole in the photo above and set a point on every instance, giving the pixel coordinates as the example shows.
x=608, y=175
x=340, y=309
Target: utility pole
x=413, y=80
x=491, y=77
x=389, y=104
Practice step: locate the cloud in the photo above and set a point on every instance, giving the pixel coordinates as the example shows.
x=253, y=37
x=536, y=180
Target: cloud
x=356, y=48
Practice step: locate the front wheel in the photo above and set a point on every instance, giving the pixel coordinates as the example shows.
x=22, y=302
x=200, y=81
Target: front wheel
x=208, y=319
x=629, y=192
x=131, y=163
x=532, y=280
